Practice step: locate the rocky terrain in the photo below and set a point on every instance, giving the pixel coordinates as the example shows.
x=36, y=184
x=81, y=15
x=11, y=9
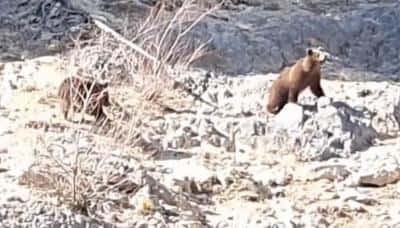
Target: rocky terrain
x=205, y=153
x=250, y=36
x=329, y=162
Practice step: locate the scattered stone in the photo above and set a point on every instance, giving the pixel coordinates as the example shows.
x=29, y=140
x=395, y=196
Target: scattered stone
x=364, y=93
x=378, y=168
x=242, y=185
x=205, y=187
x=353, y=195
x=334, y=170
x=396, y=112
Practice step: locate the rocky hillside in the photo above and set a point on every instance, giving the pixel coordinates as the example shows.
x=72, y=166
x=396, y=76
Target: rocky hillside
x=219, y=162
x=246, y=36
x=200, y=150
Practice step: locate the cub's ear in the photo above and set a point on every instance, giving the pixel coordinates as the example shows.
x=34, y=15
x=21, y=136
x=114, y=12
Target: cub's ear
x=105, y=83
x=309, y=51
x=104, y=93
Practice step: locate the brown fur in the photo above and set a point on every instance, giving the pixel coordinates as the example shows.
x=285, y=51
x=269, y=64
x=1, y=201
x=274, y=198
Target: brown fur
x=74, y=91
x=306, y=72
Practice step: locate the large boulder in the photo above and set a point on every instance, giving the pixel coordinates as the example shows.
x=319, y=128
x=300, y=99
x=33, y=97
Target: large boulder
x=333, y=130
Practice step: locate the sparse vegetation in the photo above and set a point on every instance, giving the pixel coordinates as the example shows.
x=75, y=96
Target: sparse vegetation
x=151, y=73
x=183, y=146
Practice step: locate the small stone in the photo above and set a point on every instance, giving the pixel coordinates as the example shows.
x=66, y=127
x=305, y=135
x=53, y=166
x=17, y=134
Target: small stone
x=334, y=170
x=364, y=92
x=354, y=195
x=260, y=128
x=215, y=141
x=195, y=143
x=324, y=102
x=142, y=225
x=379, y=175
x=177, y=142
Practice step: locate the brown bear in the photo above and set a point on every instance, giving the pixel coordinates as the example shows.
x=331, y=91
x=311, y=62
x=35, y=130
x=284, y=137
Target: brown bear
x=74, y=91
x=293, y=80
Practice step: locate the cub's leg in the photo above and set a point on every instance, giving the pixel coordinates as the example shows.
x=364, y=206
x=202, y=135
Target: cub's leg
x=65, y=106
x=98, y=112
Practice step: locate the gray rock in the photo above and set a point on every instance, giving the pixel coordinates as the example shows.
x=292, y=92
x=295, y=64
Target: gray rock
x=333, y=130
x=215, y=140
x=324, y=102
x=354, y=195
x=195, y=142
x=258, y=40
x=316, y=220
x=331, y=170
x=39, y=24
x=378, y=168
x=260, y=128
x=183, y=138
x=336, y=130
x=251, y=36
x=396, y=112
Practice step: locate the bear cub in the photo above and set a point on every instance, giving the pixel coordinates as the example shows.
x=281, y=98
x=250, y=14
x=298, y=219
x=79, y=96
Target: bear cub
x=306, y=72
x=74, y=91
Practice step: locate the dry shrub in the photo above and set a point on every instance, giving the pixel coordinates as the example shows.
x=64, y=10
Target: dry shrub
x=57, y=171
x=73, y=174
x=162, y=35
x=78, y=173
x=151, y=77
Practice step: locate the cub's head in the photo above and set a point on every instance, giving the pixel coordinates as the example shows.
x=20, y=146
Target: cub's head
x=102, y=84
x=316, y=55
x=104, y=98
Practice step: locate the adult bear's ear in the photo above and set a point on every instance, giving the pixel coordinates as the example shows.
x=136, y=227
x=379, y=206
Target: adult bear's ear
x=309, y=51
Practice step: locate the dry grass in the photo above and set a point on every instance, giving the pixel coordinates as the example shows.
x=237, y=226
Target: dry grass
x=151, y=72
x=71, y=170
x=77, y=174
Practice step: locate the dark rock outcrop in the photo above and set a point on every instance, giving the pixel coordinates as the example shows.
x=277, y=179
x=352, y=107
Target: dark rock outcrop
x=247, y=36
x=38, y=27
x=257, y=40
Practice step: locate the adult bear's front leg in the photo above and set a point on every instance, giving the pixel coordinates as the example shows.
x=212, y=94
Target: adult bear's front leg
x=293, y=95
x=316, y=89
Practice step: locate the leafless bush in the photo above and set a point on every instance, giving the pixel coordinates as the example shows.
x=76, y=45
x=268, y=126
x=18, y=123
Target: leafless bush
x=99, y=184
x=70, y=173
x=161, y=35
x=165, y=50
